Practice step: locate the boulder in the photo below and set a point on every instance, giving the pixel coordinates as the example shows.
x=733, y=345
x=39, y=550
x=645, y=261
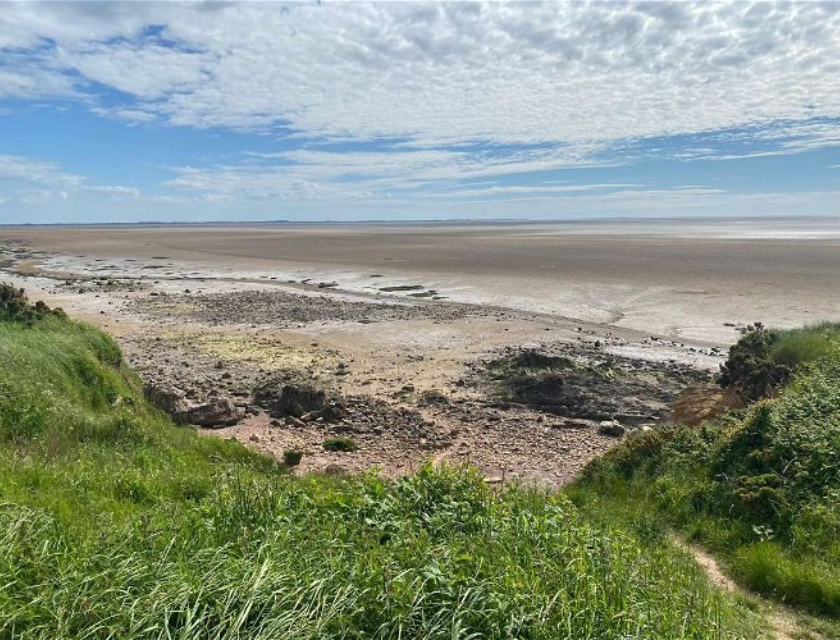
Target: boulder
x=166, y=397
x=291, y=400
x=333, y=412
x=291, y=421
x=218, y=412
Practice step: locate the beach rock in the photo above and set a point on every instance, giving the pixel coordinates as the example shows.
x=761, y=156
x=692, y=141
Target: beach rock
x=611, y=428
x=333, y=412
x=166, y=397
x=218, y=412
x=291, y=421
x=291, y=400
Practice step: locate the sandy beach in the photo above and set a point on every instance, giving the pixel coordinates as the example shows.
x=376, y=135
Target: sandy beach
x=405, y=322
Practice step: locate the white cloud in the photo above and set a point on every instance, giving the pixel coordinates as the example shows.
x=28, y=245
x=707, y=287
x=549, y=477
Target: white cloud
x=521, y=73
x=112, y=190
x=21, y=169
x=413, y=167
x=27, y=81
x=147, y=72
x=665, y=203
x=543, y=190
x=31, y=181
x=785, y=138
x=453, y=95
x=252, y=183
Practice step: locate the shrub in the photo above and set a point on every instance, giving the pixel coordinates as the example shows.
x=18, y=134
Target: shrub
x=292, y=457
x=749, y=367
x=15, y=306
x=340, y=444
x=765, y=360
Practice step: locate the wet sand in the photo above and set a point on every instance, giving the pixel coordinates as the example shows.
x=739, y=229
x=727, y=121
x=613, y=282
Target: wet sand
x=683, y=285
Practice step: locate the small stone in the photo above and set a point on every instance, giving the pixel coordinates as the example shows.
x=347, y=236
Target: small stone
x=291, y=421
x=611, y=428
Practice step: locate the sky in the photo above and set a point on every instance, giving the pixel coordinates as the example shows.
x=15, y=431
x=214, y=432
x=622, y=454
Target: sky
x=192, y=111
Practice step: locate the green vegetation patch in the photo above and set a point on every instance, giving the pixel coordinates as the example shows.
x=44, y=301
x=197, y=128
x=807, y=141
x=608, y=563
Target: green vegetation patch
x=765, y=360
x=116, y=523
x=340, y=444
x=15, y=307
x=761, y=488
x=292, y=457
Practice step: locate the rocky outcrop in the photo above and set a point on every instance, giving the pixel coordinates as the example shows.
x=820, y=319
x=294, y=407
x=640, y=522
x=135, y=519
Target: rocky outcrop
x=218, y=412
x=166, y=398
x=297, y=400
x=593, y=386
x=215, y=412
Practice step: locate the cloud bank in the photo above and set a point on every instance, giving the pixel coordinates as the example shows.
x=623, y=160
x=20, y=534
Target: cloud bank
x=399, y=99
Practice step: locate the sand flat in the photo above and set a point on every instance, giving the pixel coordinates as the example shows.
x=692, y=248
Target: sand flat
x=673, y=280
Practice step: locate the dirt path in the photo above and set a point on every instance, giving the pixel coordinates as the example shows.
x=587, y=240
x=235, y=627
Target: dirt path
x=782, y=621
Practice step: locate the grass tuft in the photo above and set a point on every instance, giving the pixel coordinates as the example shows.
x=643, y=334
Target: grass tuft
x=340, y=444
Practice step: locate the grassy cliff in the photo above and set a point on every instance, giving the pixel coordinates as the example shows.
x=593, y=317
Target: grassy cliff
x=760, y=488
x=116, y=523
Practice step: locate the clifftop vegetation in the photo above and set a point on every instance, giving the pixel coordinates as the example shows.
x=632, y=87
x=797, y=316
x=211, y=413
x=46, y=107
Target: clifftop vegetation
x=760, y=487
x=764, y=360
x=15, y=306
x=114, y=522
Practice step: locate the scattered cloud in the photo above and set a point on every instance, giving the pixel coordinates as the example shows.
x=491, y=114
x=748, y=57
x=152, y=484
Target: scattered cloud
x=401, y=102
x=516, y=190
x=28, y=170
x=30, y=181
x=445, y=73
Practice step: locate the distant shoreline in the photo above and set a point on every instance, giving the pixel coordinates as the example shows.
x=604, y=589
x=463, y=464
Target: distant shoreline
x=775, y=227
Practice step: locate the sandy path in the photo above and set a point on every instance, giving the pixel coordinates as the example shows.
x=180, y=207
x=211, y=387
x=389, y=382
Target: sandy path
x=782, y=621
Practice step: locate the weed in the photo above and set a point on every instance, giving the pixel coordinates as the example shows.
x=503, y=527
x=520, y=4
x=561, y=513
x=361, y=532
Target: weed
x=340, y=444
x=292, y=457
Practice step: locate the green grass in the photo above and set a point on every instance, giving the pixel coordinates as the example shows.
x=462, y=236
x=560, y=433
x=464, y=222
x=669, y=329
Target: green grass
x=292, y=457
x=115, y=523
x=797, y=347
x=760, y=488
x=340, y=444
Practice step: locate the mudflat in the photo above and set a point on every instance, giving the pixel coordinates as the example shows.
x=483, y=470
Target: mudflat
x=677, y=280
x=524, y=349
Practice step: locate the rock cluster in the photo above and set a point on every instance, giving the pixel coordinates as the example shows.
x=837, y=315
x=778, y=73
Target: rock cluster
x=588, y=385
x=286, y=309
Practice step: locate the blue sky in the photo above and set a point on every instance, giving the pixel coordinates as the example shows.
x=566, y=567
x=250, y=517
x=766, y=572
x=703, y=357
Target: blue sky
x=139, y=111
